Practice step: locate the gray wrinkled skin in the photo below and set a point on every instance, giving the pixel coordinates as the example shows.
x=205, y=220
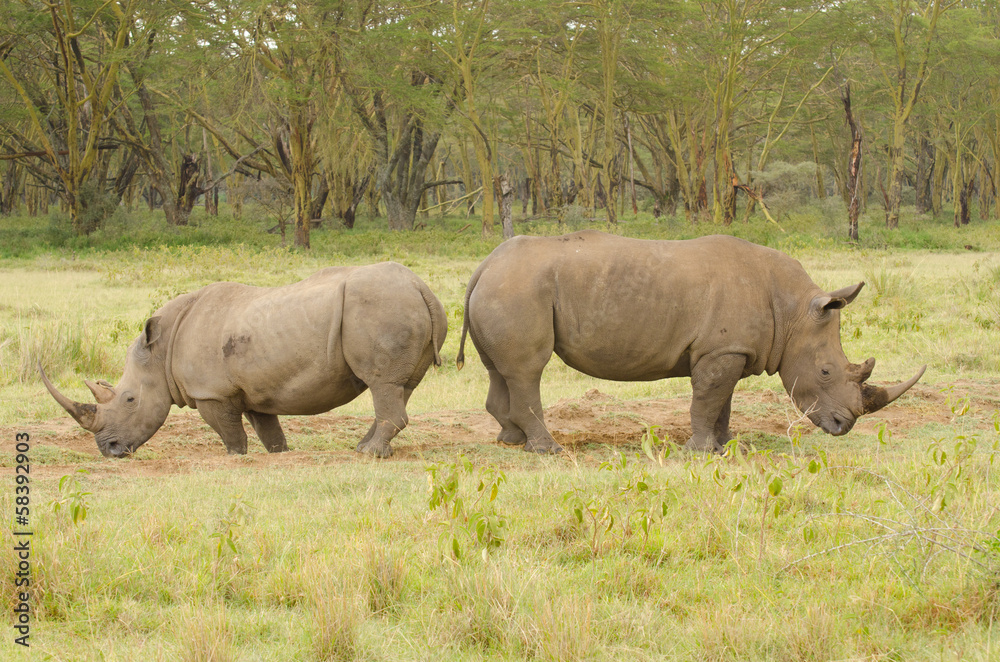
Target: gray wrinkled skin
x=232, y=350
x=715, y=309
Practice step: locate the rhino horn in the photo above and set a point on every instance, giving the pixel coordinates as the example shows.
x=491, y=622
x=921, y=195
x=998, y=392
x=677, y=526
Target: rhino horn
x=874, y=398
x=85, y=415
x=860, y=372
x=103, y=391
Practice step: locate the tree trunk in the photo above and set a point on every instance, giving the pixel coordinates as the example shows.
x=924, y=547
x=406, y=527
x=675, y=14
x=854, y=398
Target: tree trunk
x=320, y=198
x=853, y=167
x=987, y=191
x=402, y=176
x=468, y=178
x=937, y=184
x=188, y=188
x=728, y=184
x=925, y=170
x=894, y=196
x=13, y=185
x=211, y=196
x=358, y=191
x=505, y=194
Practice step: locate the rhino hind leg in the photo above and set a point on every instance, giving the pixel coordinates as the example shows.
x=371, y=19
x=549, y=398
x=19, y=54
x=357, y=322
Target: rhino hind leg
x=227, y=421
x=390, y=418
x=712, y=382
x=526, y=414
x=269, y=431
x=498, y=405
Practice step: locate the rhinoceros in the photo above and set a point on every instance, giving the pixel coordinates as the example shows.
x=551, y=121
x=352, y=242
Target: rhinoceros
x=715, y=309
x=232, y=350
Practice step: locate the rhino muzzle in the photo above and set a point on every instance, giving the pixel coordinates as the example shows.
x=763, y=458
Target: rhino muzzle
x=836, y=425
x=85, y=414
x=113, y=448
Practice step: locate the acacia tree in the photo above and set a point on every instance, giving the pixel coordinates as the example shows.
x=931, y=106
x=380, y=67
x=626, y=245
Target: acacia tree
x=467, y=36
x=397, y=96
x=65, y=84
x=900, y=36
x=291, y=46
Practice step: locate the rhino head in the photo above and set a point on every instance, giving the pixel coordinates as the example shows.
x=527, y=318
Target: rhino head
x=128, y=414
x=832, y=391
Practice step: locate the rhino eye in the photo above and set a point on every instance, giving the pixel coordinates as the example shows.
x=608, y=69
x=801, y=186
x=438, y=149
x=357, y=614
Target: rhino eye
x=132, y=399
x=825, y=372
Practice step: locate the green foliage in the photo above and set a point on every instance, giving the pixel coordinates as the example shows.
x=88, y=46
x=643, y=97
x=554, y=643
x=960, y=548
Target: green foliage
x=655, y=447
x=468, y=519
x=887, y=281
x=230, y=526
x=72, y=499
x=609, y=515
x=985, y=294
x=56, y=344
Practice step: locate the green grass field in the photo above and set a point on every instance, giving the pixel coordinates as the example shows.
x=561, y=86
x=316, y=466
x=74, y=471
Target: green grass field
x=880, y=545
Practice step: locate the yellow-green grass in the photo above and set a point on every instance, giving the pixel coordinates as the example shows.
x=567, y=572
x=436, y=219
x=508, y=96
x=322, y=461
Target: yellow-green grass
x=347, y=560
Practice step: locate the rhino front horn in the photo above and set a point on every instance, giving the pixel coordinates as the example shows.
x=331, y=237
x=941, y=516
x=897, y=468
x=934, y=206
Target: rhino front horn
x=874, y=398
x=85, y=415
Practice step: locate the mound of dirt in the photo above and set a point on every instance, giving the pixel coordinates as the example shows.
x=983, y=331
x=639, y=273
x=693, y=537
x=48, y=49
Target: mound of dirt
x=186, y=443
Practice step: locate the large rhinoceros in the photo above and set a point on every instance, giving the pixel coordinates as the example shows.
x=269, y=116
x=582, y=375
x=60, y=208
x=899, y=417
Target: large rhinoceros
x=716, y=309
x=233, y=350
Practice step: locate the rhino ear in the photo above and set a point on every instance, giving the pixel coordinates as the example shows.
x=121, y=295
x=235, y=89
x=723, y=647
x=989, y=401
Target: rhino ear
x=824, y=303
x=848, y=294
x=151, y=333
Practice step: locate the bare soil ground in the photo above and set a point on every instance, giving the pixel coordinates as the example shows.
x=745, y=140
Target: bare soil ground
x=186, y=443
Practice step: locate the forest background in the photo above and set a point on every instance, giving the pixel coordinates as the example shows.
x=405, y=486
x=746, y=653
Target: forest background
x=313, y=109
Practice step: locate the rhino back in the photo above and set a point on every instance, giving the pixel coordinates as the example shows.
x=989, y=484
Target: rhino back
x=629, y=309
x=280, y=347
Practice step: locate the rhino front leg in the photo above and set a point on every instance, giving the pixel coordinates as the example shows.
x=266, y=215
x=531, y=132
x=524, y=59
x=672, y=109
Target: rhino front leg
x=269, y=430
x=390, y=419
x=722, y=433
x=227, y=421
x=712, y=382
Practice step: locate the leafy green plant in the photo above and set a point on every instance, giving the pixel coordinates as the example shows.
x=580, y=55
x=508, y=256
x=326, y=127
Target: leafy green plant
x=923, y=524
x=611, y=515
x=654, y=447
x=470, y=522
x=763, y=476
x=72, y=498
x=230, y=524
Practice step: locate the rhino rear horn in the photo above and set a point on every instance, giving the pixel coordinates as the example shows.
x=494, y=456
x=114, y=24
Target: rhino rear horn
x=874, y=398
x=860, y=372
x=103, y=391
x=85, y=415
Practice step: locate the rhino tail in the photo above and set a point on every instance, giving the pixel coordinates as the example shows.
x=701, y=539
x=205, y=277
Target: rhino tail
x=439, y=323
x=460, y=359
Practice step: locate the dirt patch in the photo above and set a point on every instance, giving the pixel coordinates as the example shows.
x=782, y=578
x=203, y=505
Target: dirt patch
x=186, y=443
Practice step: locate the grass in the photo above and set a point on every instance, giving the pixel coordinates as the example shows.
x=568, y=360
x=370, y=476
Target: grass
x=866, y=547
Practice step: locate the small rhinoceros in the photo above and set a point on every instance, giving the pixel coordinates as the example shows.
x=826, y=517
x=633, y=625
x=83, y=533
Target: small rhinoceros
x=716, y=309
x=233, y=350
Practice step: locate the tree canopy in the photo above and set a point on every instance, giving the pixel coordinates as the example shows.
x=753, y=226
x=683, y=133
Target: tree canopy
x=412, y=105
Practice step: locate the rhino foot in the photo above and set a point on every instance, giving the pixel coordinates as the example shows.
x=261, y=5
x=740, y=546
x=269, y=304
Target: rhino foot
x=512, y=437
x=374, y=448
x=705, y=444
x=542, y=446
